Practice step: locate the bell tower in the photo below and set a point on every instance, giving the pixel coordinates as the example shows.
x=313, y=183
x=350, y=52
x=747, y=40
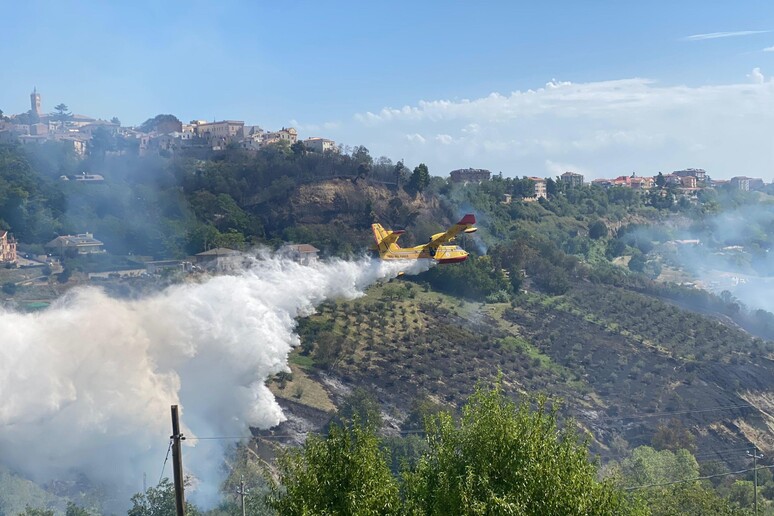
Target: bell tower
x=35, y=104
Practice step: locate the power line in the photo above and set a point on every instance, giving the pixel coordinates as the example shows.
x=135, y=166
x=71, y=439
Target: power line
x=707, y=477
x=165, y=462
x=404, y=432
x=221, y=438
x=676, y=412
x=277, y=436
x=721, y=451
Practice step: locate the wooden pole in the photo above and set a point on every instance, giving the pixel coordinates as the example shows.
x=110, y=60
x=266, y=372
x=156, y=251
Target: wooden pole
x=177, y=463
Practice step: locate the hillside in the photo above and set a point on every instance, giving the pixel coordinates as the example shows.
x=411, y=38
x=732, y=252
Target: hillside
x=618, y=377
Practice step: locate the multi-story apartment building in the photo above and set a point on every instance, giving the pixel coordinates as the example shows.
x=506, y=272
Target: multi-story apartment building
x=740, y=183
x=540, y=187
x=572, y=179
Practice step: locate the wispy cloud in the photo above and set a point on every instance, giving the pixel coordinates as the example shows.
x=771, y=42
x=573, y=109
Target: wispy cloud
x=603, y=128
x=717, y=35
x=769, y=49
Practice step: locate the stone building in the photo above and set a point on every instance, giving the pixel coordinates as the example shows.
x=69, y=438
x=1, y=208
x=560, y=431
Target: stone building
x=7, y=248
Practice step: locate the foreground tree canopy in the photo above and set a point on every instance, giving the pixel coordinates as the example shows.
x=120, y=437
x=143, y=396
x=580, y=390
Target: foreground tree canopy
x=500, y=458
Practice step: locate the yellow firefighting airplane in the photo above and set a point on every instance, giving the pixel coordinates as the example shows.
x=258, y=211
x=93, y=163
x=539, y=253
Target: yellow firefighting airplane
x=386, y=244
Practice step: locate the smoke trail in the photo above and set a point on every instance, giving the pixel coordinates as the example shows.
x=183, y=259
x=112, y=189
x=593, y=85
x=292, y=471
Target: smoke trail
x=87, y=384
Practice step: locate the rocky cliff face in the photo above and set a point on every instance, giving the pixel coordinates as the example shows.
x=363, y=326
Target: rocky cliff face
x=313, y=202
x=358, y=204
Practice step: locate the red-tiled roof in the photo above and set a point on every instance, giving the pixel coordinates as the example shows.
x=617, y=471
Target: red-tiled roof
x=303, y=248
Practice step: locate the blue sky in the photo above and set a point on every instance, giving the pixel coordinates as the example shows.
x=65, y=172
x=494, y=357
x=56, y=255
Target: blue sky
x=347, y=70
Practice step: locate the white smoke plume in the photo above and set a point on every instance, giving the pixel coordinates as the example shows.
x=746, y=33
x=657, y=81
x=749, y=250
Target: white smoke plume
x=86, y=385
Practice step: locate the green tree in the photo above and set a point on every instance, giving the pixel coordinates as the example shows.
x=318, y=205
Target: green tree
x=298, y=148
x=231, y=239
x=648, y=466
x=360, y=406
x=551, y=188
x=343, y=473
x=101, y=142
x=690, y=498
x=35, y=511
x=400, y=173
x=162, y=124
x=507, y=459
x=597, y=230
x=420, y=178
x=361, y=156
x=660, y=180
x=158, y=501
x=363, y=171
x=637, y=262
x=742, y=493
x=62, y=113
x=74, y=510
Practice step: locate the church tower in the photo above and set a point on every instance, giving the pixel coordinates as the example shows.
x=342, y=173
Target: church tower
x=35, y=104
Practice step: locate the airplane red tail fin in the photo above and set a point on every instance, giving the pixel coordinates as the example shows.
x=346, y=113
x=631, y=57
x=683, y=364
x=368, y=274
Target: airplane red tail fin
x=467, y=220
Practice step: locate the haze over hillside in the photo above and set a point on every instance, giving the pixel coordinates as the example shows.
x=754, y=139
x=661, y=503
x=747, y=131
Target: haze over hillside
x=572, y=289
x=199, y=208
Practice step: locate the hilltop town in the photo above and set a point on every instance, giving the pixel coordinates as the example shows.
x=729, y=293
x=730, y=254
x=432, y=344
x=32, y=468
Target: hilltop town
x=164, y=134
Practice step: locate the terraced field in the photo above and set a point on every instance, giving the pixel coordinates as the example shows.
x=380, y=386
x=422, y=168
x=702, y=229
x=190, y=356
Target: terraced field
x=611, y=355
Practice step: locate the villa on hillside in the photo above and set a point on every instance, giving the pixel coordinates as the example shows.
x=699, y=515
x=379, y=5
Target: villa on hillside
x=217, y=259
x=82, y=243
x=318, y=144
x=302, y=253
x=7, y=248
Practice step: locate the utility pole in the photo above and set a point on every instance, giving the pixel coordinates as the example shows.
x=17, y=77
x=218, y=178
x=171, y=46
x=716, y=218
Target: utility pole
x=177, y=463
x=241, y=491
x=755, y=457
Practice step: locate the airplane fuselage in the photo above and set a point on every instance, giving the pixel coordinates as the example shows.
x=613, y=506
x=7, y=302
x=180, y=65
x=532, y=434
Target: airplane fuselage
x=441, y=254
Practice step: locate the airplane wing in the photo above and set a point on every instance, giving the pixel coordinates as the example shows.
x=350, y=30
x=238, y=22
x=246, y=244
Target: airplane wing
x=465, y=225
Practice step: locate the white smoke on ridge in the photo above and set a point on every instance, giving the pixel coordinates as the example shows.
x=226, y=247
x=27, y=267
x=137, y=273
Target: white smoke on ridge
x=86, y=385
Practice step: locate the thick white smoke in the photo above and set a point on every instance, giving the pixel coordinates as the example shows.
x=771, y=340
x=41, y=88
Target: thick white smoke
x=86, y=385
